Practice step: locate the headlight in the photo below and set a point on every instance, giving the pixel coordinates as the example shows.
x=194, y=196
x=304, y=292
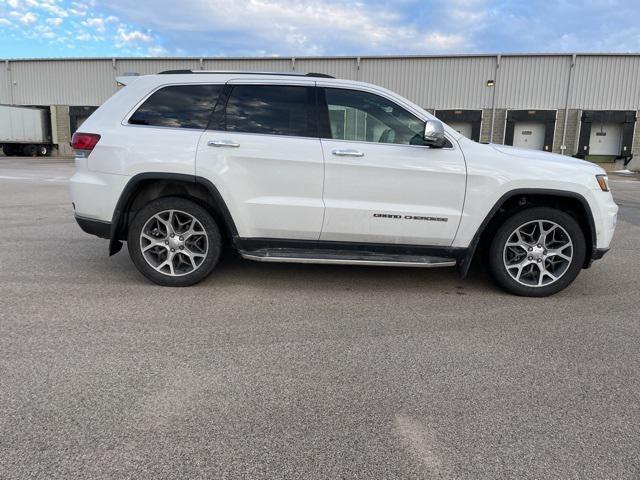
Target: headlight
x=603, y=181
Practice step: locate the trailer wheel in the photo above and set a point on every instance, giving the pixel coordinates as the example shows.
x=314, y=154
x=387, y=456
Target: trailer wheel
x=42, y=150
x=29, y=151
x=9, y=150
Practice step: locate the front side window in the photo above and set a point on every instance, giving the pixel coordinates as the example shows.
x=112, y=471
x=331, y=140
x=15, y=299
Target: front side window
x=178, y=106
x=270, y=109
x=366, y=117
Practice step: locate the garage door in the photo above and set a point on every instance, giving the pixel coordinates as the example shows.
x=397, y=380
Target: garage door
x=529, y=135
x=605, y=139
x=464, y=128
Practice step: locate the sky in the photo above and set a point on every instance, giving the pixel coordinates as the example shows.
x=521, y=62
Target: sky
x=119, y=28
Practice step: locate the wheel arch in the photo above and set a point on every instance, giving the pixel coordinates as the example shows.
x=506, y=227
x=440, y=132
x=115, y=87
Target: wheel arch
x=516, y=200
x=144, y=187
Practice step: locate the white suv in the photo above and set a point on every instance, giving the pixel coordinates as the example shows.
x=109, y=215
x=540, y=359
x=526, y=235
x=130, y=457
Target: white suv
x=310, y=169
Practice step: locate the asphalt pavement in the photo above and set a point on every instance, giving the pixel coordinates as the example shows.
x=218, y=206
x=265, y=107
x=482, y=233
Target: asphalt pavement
x=304, y=371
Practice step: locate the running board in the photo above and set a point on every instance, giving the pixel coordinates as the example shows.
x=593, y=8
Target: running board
x=345, y=257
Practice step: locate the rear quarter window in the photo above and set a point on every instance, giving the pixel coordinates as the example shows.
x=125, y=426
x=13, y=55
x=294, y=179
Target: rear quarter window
x=178, y=106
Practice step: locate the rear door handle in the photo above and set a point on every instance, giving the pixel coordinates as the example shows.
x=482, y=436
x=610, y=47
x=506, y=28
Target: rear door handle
x=222, y=143
x=347, y=153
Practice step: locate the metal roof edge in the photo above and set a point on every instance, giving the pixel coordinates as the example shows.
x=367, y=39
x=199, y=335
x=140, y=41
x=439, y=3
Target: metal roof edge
x=328, y=57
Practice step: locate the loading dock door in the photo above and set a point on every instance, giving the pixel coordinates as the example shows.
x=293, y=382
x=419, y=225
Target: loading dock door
x=533, y=129
x=606, y=133
x=463, y=128
x=529, y=135
x=605, y=139
x=466, y=122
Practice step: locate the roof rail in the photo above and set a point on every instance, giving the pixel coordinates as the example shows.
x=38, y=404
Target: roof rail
x=291, y=74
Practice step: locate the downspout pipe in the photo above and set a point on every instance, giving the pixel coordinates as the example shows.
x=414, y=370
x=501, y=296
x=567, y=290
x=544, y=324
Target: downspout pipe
x=493, y=98
x=563, y=147
x=9, y=81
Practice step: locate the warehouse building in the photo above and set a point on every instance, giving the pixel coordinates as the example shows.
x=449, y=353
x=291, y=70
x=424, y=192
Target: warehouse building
x=583, y=105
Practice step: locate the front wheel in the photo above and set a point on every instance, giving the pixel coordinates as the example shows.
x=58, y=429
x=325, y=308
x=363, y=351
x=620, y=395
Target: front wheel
x=537, y=252
x=174, y=242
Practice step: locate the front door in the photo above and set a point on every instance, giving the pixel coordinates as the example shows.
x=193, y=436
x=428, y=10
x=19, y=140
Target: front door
x=263, y=153
x=382, y=184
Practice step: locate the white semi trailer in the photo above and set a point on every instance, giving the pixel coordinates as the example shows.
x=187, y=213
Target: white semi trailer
x=25, y=130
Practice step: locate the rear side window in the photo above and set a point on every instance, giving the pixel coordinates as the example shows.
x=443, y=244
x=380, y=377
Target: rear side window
x=271, y=109
x=179, y=106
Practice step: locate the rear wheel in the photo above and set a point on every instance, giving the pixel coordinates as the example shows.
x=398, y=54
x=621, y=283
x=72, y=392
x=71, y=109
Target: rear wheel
x=9, y=150
x=30, y=150
x=174, y=242
x=537, y=252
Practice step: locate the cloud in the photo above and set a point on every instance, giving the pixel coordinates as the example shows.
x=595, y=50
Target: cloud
x=96, y=23
x=299, y=27
x=133, y=36
x=55, y=21
x=316, y=27
x=28, y=18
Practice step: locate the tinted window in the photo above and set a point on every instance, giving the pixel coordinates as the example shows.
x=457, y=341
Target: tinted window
x=365, y=117
x=271, y=109
x=180, y=106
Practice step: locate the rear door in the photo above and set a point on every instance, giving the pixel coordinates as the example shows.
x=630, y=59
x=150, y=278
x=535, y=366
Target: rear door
x=382, y=185
x=263, y=153
x=160, y=134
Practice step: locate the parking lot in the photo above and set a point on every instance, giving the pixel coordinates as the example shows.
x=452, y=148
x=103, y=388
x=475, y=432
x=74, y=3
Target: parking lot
x=304, y=371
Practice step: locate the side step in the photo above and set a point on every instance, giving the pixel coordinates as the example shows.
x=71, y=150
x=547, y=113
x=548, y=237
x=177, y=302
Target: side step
x=345, y=257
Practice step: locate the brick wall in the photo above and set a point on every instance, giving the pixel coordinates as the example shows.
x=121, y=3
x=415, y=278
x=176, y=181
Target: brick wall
x=61, y=129
x=634, y=164
x=498, y=127
x=571, y=139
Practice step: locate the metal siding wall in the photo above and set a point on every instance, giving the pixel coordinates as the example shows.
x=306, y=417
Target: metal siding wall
x=151, y=66
x=603, y=82
x=338, y=67
x=5, y=97
x=529, y=82
x=606, y=83
x=259, y=65
x=77, y=82
x=432, y=82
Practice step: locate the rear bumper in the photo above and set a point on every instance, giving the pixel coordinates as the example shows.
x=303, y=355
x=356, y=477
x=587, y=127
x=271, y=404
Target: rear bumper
x=598, y=253
x=94, y=227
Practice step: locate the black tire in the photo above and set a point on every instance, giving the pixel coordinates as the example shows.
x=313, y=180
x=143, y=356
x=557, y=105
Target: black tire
x=9, y=150
x=497, y=266
x=42, y=150
x=30, y=151
x=213, y=241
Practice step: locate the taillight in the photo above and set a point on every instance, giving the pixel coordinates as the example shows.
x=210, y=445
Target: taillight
x=84, y=141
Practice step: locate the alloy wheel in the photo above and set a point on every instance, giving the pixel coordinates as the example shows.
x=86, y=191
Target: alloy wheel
x=174, y=243
x=538, y=253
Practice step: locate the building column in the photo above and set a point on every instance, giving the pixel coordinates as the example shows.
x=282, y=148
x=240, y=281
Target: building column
x=634, y=164
x=61, y=129
x=498, y=126
x=571, y=136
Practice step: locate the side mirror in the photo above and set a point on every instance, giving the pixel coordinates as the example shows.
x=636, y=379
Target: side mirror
x=434, y=134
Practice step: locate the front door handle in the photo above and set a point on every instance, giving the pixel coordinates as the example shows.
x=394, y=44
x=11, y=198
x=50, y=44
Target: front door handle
x=347, y=153
x=222, y=143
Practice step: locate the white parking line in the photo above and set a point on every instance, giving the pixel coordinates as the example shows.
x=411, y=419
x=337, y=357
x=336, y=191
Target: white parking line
x=34, y=179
